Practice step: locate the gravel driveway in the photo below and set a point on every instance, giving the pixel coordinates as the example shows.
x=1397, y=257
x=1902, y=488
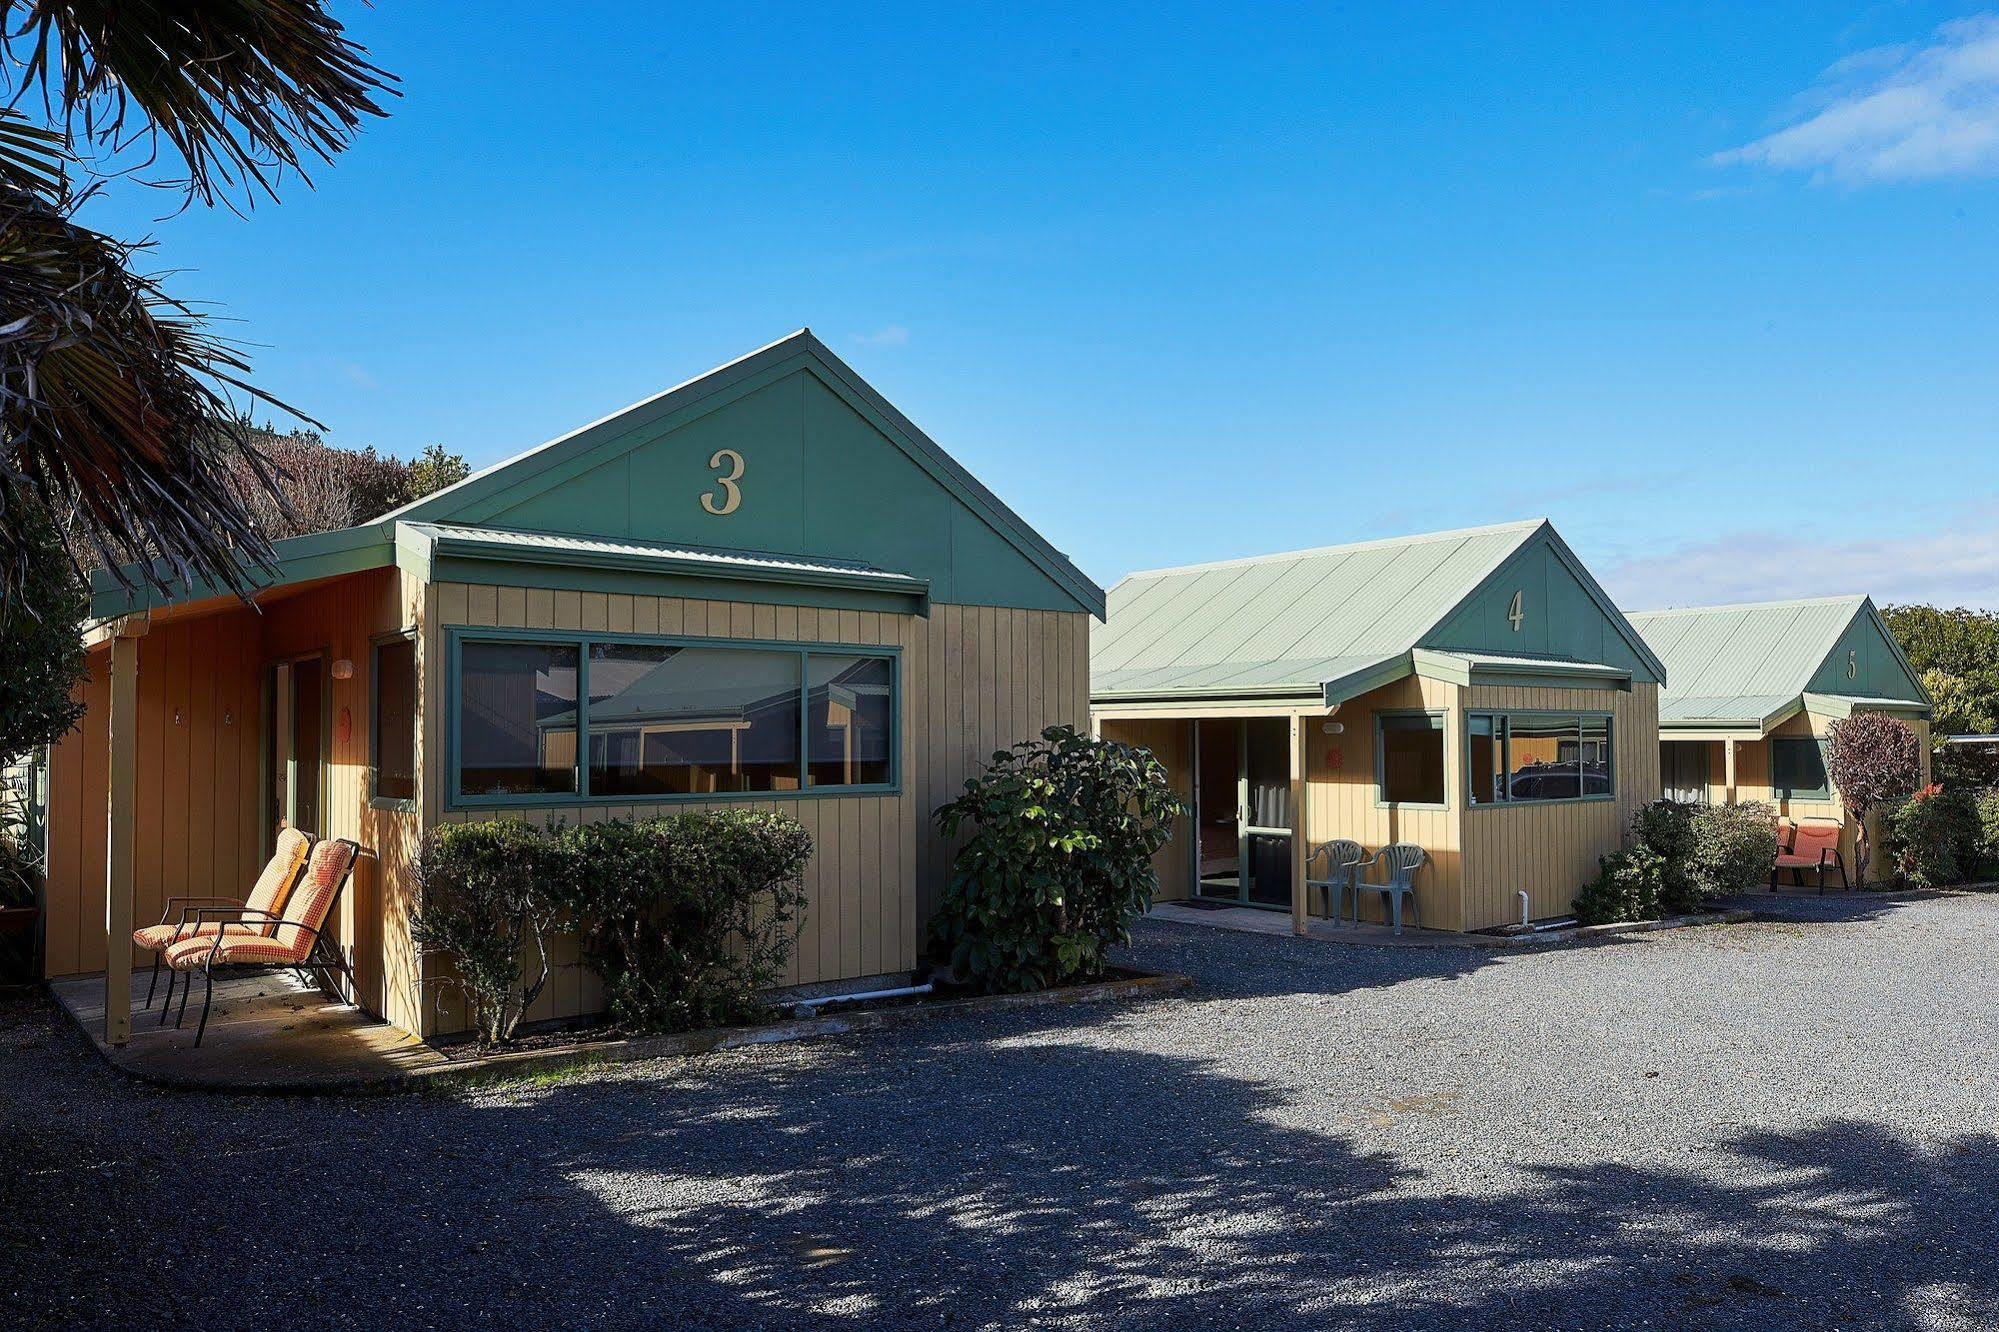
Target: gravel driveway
x=1760, y=1126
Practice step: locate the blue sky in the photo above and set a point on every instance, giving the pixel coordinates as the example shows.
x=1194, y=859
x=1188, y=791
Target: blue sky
x=1718, y=291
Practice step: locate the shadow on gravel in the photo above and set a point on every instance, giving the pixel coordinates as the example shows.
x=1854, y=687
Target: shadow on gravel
x=982, y=1181
x=1227, y=964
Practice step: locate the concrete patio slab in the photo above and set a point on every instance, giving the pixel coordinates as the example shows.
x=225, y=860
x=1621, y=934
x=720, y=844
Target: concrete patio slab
x=266, y=1033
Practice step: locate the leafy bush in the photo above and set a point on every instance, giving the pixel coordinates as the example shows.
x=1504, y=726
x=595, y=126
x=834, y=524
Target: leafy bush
x=1933, y=837
x=486, y=892
x=1059, y=862
x=1666, y=828
x=1733, y=849
x=1987, y=803
x=1873, y=761
x=690, y=916
x=1627, y=887
x=41, y=639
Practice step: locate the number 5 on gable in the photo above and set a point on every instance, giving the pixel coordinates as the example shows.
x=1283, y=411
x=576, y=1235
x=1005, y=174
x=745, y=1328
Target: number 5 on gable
x=732, y=494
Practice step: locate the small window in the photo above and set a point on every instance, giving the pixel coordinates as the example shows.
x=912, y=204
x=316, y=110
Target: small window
x=517, y=719
x=394, y=741
x=692, y=720
x=849, y=721
x=1797, y=769
x=1411, y=769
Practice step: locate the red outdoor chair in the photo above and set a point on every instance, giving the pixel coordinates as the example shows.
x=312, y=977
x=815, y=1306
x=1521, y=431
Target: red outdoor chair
x=1814, y=846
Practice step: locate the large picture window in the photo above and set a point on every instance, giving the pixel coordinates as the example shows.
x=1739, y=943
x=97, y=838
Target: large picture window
x=1521, y=758
x=661, y=720
x=1410, y=768
x=1797, y=769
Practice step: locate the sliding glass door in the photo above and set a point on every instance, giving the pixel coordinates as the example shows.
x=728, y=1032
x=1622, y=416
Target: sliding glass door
x=1243, y=814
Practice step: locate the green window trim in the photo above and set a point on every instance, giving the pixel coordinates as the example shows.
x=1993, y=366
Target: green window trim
x=376, y=800
x=583, y=640
x=1501, y=722
x=1797, y=758
x=1406, y=720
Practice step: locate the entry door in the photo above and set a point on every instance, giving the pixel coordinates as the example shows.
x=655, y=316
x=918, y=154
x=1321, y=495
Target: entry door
x=1266, y=823
x=295, y=752
x=1243, y=810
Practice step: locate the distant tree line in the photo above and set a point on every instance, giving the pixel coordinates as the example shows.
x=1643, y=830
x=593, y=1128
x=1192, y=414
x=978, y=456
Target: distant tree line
x=1956, y=652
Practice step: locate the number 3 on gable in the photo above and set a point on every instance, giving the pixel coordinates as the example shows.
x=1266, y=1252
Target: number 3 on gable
x=732, y=494
x=1515, y=613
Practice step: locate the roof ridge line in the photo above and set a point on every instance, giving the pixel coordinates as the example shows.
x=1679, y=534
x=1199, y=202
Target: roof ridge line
x=1416, y=538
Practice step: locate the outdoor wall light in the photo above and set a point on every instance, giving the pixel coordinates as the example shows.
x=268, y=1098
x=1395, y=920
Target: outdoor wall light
x=343, y=669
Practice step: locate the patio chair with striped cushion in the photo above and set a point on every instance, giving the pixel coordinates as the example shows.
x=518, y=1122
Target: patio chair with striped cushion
x=297, y=938
x=267, y=894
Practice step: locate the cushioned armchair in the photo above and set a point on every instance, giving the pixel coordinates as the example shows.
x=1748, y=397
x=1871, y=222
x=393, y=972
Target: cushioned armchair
x=267, y=895
x=295, y=939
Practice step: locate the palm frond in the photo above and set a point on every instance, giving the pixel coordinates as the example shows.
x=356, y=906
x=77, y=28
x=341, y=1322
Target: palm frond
x=114, y=409
x=243, y=90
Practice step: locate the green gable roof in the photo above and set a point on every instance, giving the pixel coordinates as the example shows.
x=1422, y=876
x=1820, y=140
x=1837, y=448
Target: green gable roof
x=1747, y=667
x=1333, y=622
x=843, y=502
x=831, y=471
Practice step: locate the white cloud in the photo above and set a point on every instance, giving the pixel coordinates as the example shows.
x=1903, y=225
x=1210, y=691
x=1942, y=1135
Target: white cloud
x=1897, y=113
x=892, y=335
x=1950, y=564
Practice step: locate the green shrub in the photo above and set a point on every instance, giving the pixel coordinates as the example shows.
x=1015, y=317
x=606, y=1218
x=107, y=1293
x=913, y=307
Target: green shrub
x=486, y=893
x=1627, y=887
x=1987, y=802
x=1733, y=849
x=1666, y=827
x=1933, y=837
x=690, y=917
x=1059, y=861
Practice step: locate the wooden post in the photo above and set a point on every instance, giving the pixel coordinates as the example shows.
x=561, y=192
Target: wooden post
x=122, y=779
x=1728, y=768
x=1301, y=920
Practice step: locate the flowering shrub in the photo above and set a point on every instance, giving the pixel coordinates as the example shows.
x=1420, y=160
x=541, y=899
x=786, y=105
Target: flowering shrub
x=1933, y=837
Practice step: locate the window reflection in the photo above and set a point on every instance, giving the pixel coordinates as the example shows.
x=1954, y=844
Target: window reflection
x=692, y=720
x=517, y=718
x=849, y=720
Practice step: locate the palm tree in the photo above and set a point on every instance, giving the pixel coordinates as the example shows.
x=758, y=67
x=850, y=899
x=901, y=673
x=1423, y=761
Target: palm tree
x=117, y=401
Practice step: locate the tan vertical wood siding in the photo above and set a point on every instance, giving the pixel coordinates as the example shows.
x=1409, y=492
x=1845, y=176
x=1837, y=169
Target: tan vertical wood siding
x=1342, y=803
x=1551, y=850
x=973, y=679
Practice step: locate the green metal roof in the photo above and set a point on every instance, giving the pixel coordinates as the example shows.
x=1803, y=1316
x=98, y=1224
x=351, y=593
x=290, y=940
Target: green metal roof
x=1323, y=624
x=1750, y=666
x=446, y=541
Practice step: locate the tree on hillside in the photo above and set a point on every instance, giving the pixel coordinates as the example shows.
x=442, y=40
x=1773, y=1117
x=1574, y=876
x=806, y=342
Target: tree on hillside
x=115, y=396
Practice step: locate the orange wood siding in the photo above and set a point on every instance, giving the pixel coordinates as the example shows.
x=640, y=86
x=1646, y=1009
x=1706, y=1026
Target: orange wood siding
x=879, y=862
x=199, y=782
x=1171, y=741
